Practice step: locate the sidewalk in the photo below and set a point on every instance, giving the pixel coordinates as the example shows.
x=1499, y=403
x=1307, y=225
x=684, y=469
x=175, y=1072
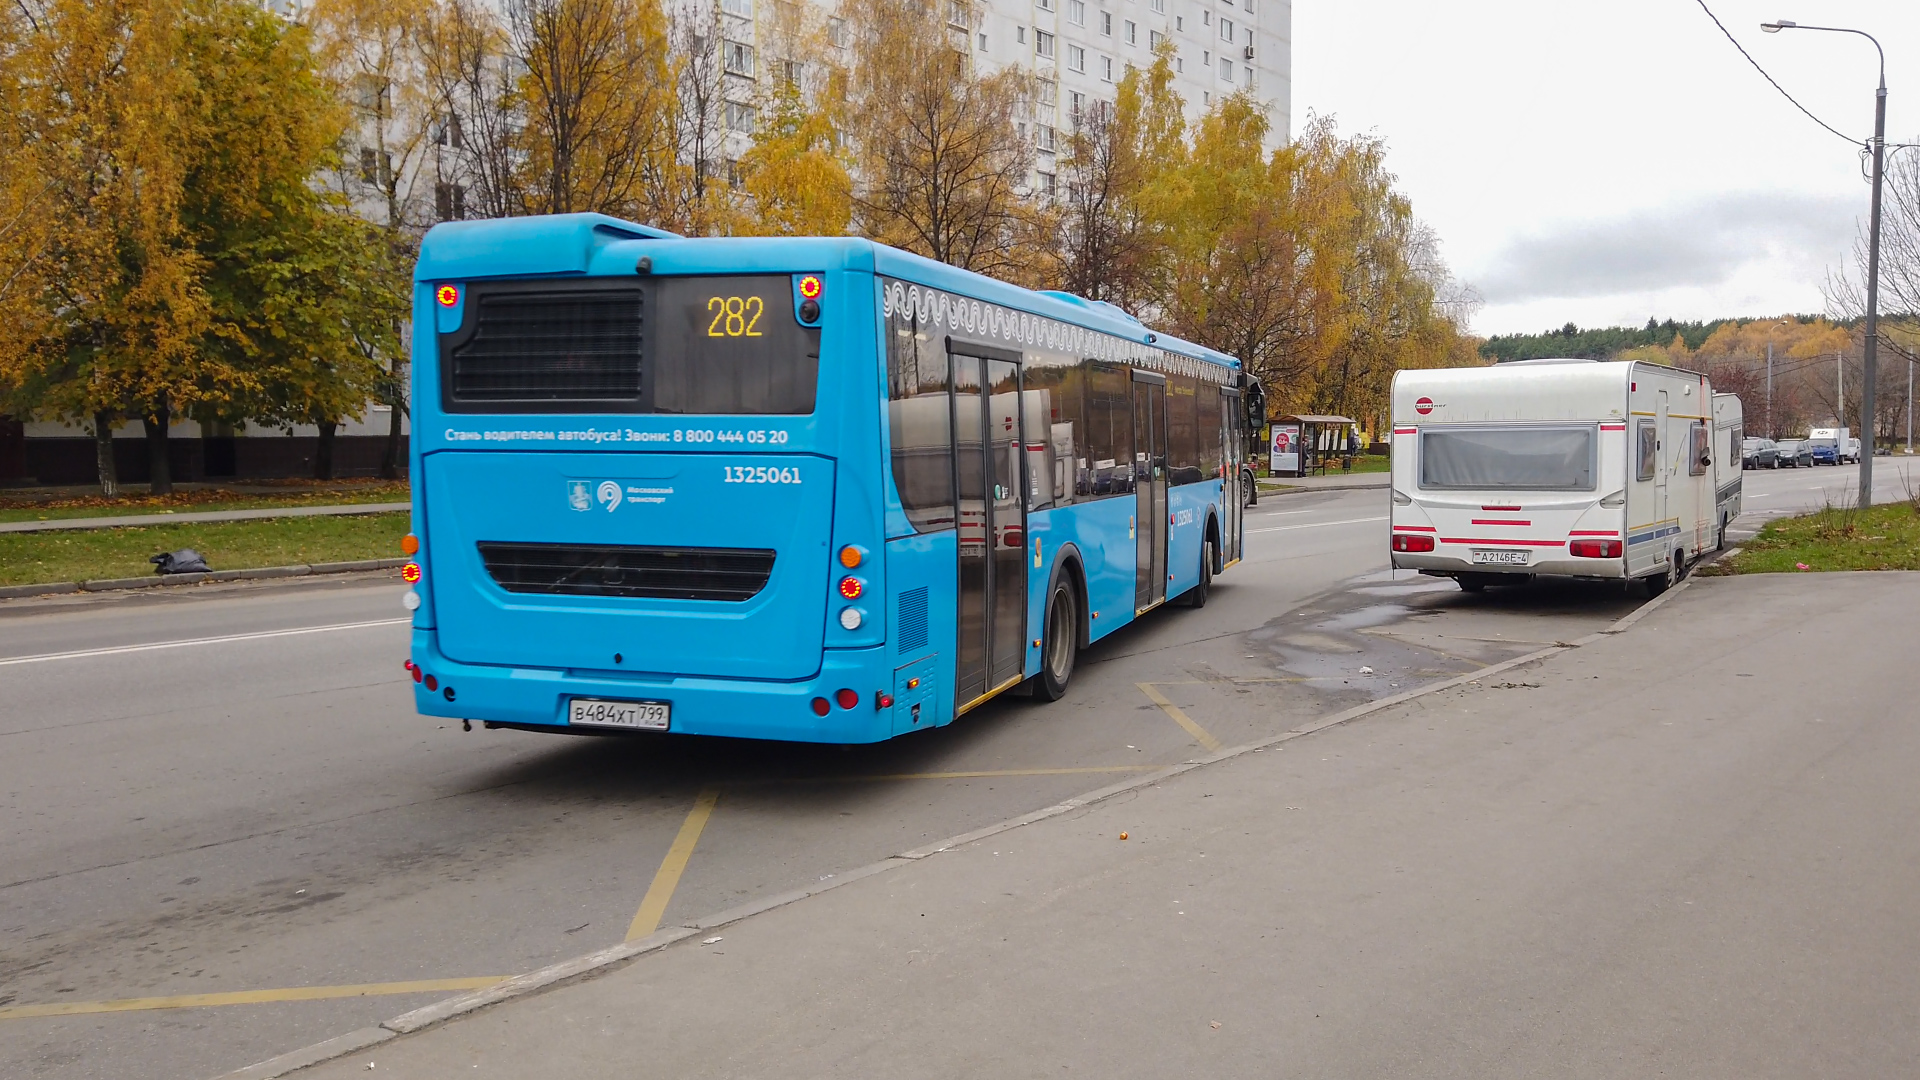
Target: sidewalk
x=1329, y=482
x=199, y=516
x=1685, y=849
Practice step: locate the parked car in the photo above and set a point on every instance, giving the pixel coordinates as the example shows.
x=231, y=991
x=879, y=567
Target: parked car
x=1825, y=451
x=1852, y=452
x=1794, y=453
x=1758, y=453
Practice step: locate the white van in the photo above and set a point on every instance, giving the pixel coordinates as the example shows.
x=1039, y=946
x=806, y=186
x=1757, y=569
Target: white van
x=1574, y=468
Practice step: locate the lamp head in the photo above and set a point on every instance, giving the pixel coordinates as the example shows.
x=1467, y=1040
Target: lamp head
x=1778, y=25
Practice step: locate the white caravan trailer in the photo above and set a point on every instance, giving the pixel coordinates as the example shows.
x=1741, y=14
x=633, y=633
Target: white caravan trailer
x=1729, y=430
x=1572, y=468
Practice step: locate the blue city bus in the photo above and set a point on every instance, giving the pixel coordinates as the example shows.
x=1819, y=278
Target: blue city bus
x=811, y=489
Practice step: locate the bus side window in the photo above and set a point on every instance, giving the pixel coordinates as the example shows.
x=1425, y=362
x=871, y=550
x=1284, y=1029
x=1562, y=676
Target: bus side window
x=1649, y=449
x=919, y=414
x=1207, y=412
x=1183, y=446
x=1109, y=427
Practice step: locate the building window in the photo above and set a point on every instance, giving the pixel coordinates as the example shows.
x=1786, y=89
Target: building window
x=1206, y=18
x=957, y=14
x=1226, y=69
x=1154, y=38
x=1180, y=63
x=1106, y=68
x=1076, y=58
x=983, y=41
x=837, y=33
x=742, y=8
x=738, y=58
x=1043, y=137
x=376, y=167
x=450, y=201
x=1249, y=73
x=1076, y=101
x=1106, y=23
x=1046, y=183
x=1180, y=23
x=1042, y=43
x=1206, y=58
x=1226, y=29
x=1043, y=5
x=1019, y=35
x=742, y=118
x=1045, y=92
x=1158, y=5
x=1249, y=6
x=1077, y=12
x=449, y=133
x=1133, y=33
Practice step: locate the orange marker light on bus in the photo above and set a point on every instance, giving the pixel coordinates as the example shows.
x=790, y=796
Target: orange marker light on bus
x=850, y=557
x=448, y=295
x=810, y=287
x=409, y=544
x=410, y=573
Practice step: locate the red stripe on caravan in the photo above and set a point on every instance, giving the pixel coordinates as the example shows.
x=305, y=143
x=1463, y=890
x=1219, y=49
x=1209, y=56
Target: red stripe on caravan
x=1514, y=509
x=1497, y=521
x=1613, y=427
x=1593, y=532
x=1503, y=541
x=1406, y=431
x=1414, y=528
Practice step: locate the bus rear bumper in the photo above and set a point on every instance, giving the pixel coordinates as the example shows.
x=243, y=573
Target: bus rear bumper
x=537, y=698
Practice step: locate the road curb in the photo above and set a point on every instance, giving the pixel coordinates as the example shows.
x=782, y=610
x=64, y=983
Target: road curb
x=16, y=592
x=1294, y=489
x=202, y=517
x=614, y=957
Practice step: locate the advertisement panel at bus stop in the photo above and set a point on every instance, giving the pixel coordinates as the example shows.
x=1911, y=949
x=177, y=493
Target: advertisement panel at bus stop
x=1286, y=449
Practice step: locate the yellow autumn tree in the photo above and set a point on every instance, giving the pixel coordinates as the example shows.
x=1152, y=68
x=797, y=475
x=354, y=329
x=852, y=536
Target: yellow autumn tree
x=795, y=171
x=942, y=167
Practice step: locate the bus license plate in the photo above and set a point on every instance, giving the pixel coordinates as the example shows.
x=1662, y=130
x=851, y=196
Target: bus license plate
x=1501, y=558
x=638, y=715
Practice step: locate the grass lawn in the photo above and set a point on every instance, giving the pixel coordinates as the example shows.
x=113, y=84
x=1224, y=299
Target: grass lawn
x=21, y=507
x=1885, y=537
x=86, y=554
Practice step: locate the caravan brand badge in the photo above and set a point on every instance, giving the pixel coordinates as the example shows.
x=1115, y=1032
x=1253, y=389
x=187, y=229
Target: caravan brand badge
x=1423, y=406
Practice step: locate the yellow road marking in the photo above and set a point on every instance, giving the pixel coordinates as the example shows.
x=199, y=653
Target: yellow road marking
x=246, y=997
x=667, y=878
x=1181, y=718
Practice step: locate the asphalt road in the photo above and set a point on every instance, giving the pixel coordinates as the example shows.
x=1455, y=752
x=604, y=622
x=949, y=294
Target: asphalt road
x=255, y=811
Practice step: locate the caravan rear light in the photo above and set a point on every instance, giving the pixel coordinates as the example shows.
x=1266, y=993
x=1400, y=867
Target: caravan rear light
x=1595, y=549
x=1411, y=542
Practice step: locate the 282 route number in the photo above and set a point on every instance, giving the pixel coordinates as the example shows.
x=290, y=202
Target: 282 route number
x=762, y=474
x=735, y=316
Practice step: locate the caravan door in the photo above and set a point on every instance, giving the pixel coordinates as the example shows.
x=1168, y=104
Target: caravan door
x=1662, y=494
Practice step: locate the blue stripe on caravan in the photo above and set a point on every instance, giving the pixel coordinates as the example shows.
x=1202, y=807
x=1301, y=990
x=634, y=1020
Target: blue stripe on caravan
x=1654, y=533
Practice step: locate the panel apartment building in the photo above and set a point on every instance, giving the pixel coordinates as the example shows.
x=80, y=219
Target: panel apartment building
x=1077, y=50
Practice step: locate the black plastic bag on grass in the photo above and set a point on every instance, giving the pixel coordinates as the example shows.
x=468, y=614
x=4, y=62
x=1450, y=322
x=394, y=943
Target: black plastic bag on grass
x=184, y=561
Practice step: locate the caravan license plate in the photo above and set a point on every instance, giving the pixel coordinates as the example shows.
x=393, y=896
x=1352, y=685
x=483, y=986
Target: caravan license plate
x=1501, y=558
x=638, y=715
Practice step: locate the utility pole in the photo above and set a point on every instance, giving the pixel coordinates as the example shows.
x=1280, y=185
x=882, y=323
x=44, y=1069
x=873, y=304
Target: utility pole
x=1770, y=433
x=1840, y=389
x=1909, y=407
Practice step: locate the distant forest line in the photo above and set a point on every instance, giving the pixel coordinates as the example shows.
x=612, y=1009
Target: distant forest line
x=1605, y=343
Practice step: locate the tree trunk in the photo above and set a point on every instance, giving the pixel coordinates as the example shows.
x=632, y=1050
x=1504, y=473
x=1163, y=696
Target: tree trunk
x=159, y=475
x=397, y=404
x=103, y=454
x=323, y=453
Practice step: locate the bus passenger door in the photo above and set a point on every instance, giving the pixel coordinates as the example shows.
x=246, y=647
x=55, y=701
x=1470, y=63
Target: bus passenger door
x=989, y=454
x=1150, y=489
x=1233, y=444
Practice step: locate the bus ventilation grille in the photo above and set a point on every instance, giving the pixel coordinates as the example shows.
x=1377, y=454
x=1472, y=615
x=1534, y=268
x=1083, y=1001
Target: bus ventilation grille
x=913, y=619
x=732, y=574
x=552, y=347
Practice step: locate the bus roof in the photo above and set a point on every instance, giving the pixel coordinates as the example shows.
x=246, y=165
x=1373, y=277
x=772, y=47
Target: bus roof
x=599, y=245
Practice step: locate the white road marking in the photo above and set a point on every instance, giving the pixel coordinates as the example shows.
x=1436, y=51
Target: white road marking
x=155, y=645
x=1317, y=525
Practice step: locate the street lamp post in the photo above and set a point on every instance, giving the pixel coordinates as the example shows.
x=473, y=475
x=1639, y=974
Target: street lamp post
x=1873, y=247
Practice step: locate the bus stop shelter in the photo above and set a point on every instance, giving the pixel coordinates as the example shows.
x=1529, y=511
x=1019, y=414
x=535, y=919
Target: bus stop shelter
x=1307, y=444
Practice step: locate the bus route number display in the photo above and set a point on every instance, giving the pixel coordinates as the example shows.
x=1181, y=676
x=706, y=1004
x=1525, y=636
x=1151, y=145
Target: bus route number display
x=735, y=316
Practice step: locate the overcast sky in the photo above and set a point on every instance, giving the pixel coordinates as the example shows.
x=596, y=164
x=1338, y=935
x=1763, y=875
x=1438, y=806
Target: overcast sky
x=1602, y=161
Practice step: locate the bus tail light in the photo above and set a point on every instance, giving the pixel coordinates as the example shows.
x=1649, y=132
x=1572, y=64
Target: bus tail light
x=852, y=556
x=851, y=587
x=410, y=573
x=883, y=700
x=417, y=673
x=433, y=683
x=1412, y=542
x=820, y=706
x=847, y=698
x=1595, y=549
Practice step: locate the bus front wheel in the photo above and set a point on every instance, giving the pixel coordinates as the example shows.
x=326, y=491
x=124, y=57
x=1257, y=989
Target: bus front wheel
x=1060, y=648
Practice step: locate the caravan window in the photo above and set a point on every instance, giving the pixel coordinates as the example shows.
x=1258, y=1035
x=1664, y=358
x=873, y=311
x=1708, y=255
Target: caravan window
x=1556, y=458
x=1649, y=449
x=1702, y=450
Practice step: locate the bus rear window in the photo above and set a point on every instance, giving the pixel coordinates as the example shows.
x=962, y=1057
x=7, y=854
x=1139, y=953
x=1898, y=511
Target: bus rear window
x=713, y=345
x=1557, y=458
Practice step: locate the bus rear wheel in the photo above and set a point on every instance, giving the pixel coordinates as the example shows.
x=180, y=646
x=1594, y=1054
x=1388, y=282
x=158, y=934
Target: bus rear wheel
x=1060, y=648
